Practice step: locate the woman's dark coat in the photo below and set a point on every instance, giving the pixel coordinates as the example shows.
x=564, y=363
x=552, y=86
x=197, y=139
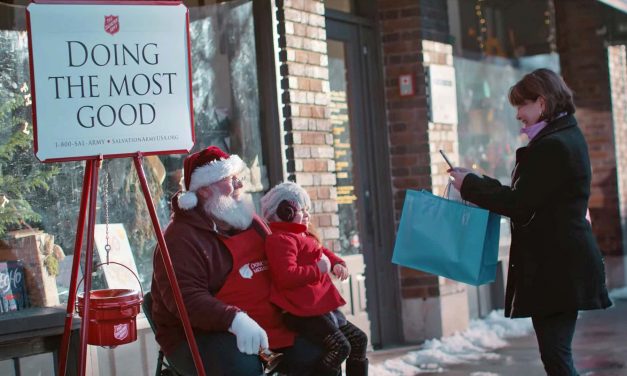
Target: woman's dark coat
x=555, y=262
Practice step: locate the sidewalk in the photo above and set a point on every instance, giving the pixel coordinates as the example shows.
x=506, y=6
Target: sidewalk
x=600, y=349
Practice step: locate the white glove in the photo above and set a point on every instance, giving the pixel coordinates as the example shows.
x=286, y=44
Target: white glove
x=324, y=264
x=250, y=336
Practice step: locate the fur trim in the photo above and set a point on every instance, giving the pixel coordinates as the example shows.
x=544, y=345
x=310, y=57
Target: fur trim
x=187, y=200
x=215, y=171
x=284, y=191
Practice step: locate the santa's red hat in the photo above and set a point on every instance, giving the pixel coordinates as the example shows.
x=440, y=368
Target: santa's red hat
x=204, y=168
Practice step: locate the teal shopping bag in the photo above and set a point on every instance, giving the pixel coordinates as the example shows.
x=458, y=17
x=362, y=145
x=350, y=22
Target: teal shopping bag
x=447, y=238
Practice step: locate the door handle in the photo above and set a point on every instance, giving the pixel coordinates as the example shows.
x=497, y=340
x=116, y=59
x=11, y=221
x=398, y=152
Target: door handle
x=369, y=212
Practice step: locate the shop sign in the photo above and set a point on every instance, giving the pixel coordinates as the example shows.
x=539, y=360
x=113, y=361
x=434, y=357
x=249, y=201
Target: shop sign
x=442, y=94
x=110, y=79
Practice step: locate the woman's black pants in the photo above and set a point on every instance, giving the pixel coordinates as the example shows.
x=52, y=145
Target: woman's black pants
x=555, y=336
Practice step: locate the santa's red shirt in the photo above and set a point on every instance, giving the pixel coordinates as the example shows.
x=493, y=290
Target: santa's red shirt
x=202, y=264
x=298, y=286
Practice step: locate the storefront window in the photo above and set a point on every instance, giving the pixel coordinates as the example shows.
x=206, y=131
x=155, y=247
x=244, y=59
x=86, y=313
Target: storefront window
x=496, y=43
x=502, y=28
x=342, y=5
x=489, y=133
x=39, y=203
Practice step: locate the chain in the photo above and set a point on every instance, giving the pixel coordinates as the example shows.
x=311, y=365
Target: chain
x=107, y=183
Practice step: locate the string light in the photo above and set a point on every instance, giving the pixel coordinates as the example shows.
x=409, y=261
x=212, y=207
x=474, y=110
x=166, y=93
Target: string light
x=483, y=26
x=549, y=21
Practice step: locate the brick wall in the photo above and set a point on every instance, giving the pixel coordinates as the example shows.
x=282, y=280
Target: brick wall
x=305, y=83
x=617, y=57
x=405, y=26
x=584, y=65
x=401, y=40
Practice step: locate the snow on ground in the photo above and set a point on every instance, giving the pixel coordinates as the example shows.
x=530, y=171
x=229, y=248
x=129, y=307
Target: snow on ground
x=476, y=343
x=619, y=293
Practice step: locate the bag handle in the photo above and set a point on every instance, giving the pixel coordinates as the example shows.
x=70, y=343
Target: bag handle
x=447, y=193
x=122, y=265
x=447, y=190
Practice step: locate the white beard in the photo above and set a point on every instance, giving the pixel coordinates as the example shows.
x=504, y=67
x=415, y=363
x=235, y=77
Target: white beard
x=237, y=213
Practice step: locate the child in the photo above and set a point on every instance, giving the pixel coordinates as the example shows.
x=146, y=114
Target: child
x=301, y=286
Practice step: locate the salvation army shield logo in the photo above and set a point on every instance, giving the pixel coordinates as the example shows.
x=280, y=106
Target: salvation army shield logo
x=246, y=272
x=112, y=24
x=120, y=331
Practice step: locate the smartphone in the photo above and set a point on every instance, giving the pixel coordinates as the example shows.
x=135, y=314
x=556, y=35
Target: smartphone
x=448, y=162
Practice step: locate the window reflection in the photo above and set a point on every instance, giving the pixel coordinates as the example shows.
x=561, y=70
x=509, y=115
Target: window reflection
x=494, y=48
x=343, y=155
x=341, y=5
x=226, y=112
x=489, y=133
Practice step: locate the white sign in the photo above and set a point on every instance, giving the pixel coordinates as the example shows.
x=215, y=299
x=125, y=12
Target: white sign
x=116, y=276
x=110, y=79
x=406, y=85
x=442, y=94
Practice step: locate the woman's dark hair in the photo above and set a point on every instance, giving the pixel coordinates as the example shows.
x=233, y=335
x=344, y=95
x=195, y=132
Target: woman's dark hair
x=547, y=84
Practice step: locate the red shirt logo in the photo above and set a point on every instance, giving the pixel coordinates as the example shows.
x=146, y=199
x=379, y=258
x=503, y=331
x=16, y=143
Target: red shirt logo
x=247, y=271
x=112, y=24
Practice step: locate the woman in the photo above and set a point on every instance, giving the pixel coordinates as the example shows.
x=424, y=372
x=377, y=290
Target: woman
x=555, y=265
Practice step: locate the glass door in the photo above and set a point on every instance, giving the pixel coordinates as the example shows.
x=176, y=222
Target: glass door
x=366, y=223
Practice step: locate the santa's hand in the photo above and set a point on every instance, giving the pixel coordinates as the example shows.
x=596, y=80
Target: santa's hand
x=324, y=265
x=250, y=336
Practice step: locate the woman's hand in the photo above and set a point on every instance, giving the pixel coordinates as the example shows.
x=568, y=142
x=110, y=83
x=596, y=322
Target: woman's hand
x=340, y=271
x=458, y=174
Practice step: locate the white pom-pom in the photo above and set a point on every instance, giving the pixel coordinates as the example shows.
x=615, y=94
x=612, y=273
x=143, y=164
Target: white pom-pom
x=187, y=200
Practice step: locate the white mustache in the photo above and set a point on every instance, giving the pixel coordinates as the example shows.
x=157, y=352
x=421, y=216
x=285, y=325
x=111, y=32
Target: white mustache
x=238, y=213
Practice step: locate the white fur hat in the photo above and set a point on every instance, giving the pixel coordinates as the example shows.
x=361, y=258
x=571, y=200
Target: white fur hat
x=285, y=191
x=205, y=168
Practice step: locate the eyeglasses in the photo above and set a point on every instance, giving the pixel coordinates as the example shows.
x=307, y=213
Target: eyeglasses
x=235, y=181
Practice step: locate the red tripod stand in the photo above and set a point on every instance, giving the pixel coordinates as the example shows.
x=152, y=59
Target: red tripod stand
x=88, y=200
